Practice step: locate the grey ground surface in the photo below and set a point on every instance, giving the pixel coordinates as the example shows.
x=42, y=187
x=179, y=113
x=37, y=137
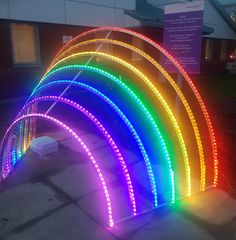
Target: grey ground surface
x=51, y=198
x=56, y=197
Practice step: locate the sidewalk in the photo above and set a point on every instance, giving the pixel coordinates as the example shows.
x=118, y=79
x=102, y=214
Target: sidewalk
x=55, y=197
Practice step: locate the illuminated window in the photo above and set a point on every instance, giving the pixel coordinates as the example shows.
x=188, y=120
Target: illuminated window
x=24, y=44
x=138, y=43
x=223, y=50
x=208, y=49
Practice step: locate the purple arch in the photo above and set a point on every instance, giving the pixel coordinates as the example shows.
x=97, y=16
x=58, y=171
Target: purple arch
x=78, y=139
x=102, y=130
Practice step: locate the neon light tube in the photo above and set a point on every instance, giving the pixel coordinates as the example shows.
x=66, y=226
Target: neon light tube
x=170, y=80
x=125, y=120
x=157, y=94
x=83, y=145
x=178, y=66
x=105, y=133
x=146, y=114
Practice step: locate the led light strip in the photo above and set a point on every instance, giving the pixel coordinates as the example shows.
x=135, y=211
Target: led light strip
x=31, y=124
x=105, y=133
x=13, y=150
x=125, y=120
x=177, y=65
x=14, y=158
x=7, y=167
x=21, y=136
x=85, y=148
x=157, y=94
x=146, y=113
x=25, y=142
x=171, y=81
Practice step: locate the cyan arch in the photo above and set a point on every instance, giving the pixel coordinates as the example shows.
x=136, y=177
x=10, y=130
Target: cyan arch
x=146, y=114
x=169, y=79
x=25, y=120
x=125, y=120
x=152, y=90
x=105, y=133
x=176, y=64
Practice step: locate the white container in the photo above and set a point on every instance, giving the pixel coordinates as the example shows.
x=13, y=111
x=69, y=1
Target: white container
x=44, y=145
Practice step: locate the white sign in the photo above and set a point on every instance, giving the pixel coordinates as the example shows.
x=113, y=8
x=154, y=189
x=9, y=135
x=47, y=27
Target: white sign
x=183, y=34
x=184, y=7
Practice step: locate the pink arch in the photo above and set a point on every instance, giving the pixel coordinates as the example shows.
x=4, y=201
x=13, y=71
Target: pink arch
x=178, y=66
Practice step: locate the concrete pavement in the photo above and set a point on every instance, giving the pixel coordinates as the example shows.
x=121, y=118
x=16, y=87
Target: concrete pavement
x=56, y=197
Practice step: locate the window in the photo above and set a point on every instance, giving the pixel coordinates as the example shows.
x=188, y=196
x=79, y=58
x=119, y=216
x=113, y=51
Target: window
x=223, y=50
x=138, y=43
x=208, y=49
x=24, y=44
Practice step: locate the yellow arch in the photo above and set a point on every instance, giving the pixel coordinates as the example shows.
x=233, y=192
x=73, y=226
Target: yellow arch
x=171, y=81
x=157, y=94
x=178, y=66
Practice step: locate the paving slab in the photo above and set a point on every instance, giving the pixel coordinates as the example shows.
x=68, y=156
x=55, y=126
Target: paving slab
x=119, y=200
x=106, y=157
x=32, y=167
x=142, y=184
x=130, y=157
x=171, y=226
x=95, y=205
x=103, y=153
x=72, y=180
x=70, y=172
x=140, y=175
x=22, y=203
x=80, y=179
x=108, y=160
x=61, y=135
x=213, y=206
x=126, y=228
x=69, y=223
x=91, y=140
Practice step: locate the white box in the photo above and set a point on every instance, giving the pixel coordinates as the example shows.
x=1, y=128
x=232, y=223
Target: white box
x=44, y=145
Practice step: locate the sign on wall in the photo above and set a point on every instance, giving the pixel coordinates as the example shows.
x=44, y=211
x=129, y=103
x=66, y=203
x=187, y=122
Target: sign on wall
x=183, y=34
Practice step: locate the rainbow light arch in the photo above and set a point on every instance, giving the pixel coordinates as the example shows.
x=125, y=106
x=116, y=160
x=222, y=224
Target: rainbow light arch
x=24, y=126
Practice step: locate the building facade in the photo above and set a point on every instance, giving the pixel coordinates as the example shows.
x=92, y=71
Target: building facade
x=32, y=32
